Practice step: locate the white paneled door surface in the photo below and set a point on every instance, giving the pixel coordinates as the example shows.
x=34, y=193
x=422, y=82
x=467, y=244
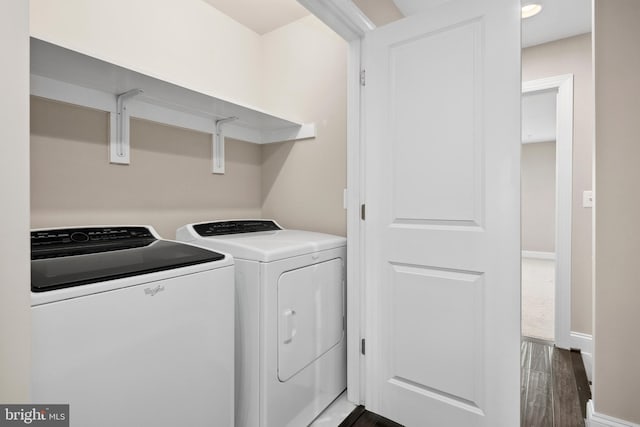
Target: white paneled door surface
x=441, y=111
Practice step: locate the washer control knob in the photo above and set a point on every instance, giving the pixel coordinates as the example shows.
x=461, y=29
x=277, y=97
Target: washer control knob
x=79, y=237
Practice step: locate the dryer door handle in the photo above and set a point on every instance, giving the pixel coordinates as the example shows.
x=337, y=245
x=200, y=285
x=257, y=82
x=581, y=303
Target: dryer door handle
x=289, y=325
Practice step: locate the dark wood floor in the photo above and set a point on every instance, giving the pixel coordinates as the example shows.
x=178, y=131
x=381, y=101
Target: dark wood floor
x=554, y=390
x=360, y=417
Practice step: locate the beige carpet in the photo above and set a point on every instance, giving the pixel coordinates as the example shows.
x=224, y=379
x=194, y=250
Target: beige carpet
x=538, y=290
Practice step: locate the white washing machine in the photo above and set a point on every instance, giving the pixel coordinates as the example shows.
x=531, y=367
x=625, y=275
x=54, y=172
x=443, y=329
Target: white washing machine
x=290, y=318
x=131, y=330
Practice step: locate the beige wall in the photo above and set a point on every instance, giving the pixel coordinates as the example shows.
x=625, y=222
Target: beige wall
x=380, y=12
x=186, y=42
x=15, y=313
x=168, y=183
x=573, y=55
x=305, y=74
x=297, y=71
x=538, y=175
x=617, y=240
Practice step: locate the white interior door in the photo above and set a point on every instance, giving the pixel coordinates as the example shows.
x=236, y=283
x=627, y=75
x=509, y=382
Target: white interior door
x=442, y=140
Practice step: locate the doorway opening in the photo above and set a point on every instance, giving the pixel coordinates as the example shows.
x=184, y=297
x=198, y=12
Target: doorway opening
x=538, y=207
x=547, y=138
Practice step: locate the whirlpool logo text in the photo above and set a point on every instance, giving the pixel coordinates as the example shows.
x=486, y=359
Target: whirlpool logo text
x=153, y=291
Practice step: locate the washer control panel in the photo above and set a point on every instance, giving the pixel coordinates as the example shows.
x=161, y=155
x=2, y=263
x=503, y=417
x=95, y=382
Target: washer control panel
x=87, y=235
x=220, y=228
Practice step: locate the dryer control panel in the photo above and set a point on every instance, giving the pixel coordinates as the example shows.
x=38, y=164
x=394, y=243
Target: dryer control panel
x=220, y=228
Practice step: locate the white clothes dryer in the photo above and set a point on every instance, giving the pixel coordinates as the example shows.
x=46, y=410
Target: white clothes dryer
x=290, y=318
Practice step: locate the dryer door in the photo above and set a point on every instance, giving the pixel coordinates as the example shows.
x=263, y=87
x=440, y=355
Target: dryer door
x=310, y=315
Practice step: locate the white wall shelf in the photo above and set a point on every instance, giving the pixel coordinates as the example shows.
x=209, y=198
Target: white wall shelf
x=68, y=76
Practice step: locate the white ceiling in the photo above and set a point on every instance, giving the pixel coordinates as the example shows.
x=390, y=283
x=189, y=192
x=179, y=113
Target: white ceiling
x=559, y=19
x=262, y=16
x=539, y=116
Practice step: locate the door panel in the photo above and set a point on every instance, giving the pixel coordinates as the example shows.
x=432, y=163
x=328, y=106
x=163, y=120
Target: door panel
x=416, y=82
x=430, y=299
x=442, y=130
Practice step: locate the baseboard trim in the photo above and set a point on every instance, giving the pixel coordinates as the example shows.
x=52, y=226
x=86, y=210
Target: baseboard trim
x=584, y=342
x=538, y=255
x=595, y=419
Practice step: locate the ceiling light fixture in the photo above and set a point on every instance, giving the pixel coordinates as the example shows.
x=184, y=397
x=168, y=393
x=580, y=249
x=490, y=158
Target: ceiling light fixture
x=531, y=9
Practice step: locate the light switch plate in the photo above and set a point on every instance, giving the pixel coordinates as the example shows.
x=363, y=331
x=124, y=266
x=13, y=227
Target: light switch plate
x=587, y=199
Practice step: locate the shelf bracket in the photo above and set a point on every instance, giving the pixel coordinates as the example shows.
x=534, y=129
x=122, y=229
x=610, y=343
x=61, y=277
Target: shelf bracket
x=119, y=149
x=218, y=145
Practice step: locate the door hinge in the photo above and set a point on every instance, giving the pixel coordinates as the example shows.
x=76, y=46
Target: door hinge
x=362, y=211
x=363, y=79
x=362, y=346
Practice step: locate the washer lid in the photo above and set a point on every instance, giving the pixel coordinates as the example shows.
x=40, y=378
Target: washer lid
x=63, y=258
x=264, y=246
